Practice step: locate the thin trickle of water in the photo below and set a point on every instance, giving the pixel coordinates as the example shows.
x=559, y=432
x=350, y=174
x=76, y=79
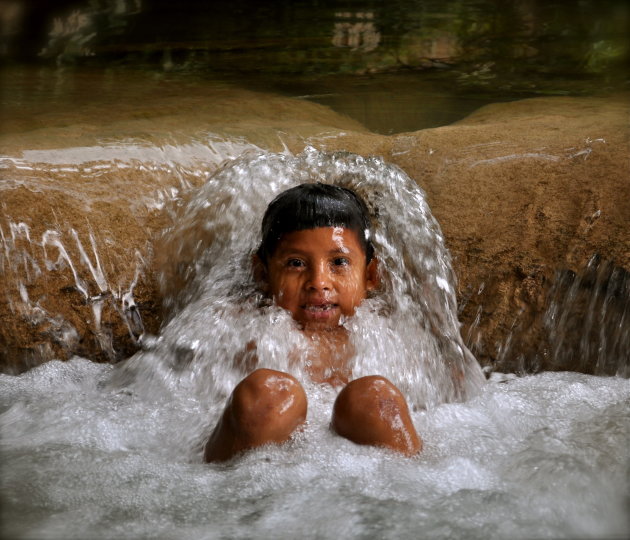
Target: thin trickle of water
x=77, y=257
x=584, y=326
x=26, y=259
x=588, y=319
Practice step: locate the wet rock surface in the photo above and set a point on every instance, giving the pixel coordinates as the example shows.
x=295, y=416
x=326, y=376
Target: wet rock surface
x=532, y=197
x=75, y=279
x=526, y=194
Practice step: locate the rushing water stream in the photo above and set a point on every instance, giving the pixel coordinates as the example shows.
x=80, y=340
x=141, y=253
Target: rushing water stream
x=543, y=456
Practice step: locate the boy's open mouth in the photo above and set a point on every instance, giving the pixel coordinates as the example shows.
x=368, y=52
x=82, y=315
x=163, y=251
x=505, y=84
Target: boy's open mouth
x=319, y=310
x=319, y=307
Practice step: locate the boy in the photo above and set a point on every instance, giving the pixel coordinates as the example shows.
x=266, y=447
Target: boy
x=316, y=260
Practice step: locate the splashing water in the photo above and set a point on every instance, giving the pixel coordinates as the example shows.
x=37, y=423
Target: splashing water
x=542, y=456
x=539, y=456
x=408, y=332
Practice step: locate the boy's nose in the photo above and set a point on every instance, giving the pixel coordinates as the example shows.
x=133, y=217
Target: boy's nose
x=319, y=278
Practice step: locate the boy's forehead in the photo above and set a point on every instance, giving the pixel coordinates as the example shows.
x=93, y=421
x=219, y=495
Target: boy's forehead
x=341, y=238
x=338, y=235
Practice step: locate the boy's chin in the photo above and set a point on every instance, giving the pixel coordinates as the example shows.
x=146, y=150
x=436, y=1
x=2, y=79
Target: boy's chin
x=320, y=326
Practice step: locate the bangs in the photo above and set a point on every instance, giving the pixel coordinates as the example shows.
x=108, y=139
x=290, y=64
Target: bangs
x=309, y=206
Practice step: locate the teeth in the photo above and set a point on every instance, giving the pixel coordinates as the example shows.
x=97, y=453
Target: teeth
x=325, y=307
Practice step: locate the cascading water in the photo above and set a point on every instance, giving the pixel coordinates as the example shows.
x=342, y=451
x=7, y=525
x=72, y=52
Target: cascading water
x=408, y=332
x=90, y=264
x=585, y=325
x=537, y=456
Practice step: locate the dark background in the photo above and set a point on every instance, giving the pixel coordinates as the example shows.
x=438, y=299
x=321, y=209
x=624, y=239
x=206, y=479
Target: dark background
x=518, y=44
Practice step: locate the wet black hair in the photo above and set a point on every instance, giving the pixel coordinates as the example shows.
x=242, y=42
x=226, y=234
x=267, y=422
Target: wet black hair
x=309, y=206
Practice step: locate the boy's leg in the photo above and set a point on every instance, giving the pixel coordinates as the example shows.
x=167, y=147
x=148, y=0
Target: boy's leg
x=371, y=410
x=265, y=407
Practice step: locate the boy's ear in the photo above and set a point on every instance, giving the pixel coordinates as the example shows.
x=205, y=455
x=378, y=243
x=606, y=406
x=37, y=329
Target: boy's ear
x=373, y=277
x=260, y=272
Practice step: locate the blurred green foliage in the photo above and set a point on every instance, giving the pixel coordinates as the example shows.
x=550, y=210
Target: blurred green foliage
x=492, y=44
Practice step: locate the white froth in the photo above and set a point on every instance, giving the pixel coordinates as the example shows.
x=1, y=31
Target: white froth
x=538, y=456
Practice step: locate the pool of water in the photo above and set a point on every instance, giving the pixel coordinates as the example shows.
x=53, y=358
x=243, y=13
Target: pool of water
x=542, y=456
x=384, y=103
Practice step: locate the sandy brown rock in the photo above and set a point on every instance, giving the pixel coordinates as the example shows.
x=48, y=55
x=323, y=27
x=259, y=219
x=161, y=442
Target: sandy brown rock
x=526, y=194
x=46, y=311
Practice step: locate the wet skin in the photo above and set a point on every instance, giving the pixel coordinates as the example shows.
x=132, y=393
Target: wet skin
x=319, y=275
x=265, y=407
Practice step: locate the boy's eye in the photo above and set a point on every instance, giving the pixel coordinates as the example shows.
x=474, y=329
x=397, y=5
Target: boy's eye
x=295, y=263
x=341, y=261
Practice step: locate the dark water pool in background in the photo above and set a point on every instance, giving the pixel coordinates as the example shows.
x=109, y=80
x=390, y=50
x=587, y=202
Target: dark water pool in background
x=384, y=103
x=388, y=103
x=394, y=66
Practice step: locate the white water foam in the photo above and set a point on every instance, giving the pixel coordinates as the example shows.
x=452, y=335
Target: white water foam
x=542, y=456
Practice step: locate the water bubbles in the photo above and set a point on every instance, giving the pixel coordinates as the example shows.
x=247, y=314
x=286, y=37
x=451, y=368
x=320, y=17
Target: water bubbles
x=408, y=331
x=537, y=456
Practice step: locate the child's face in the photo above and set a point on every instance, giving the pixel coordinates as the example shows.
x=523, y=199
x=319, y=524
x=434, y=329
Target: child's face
x=320, y=274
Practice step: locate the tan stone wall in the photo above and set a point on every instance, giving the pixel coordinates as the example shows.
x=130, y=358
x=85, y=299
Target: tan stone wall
x=525, y=193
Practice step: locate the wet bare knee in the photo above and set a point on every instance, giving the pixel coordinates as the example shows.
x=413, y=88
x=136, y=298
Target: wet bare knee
x=265, y=407
x=371, y=410
x=365, y=398
x=268, y=405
